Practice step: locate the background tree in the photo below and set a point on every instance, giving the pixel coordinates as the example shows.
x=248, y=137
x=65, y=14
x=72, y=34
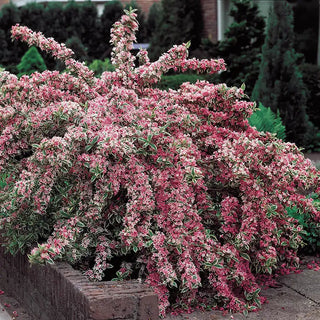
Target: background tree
x=318, y=52
x=180, y=21
x=111, y=13
x=56, y=25
x=241, y=47
x=4, y=52
x=99, y=66
x=31, y=62
x=32, y=15
x=89, y=36
x=280, y=84
x=153, y=18
x=9, y=16
x=76, y=45
x=306, y=17
x=311, y=78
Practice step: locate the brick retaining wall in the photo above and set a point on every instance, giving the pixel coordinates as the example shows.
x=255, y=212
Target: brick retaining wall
x=59, y=292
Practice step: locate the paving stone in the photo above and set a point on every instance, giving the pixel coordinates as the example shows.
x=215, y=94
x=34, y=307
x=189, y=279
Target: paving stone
x=305, y=284
x=289, y=302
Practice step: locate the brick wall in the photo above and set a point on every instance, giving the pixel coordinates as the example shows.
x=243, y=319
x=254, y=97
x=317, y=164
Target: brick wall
x=60, y=292
x=2, y=2
x=143, y=4
x=209, y=9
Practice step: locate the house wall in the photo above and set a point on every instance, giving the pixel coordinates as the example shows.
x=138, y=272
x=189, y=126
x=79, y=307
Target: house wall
x=143, y=4
x=215, y=12
x=210, y=16
x=2, y=2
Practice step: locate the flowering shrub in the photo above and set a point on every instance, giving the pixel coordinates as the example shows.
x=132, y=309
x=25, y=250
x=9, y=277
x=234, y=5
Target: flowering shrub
x=110, y=166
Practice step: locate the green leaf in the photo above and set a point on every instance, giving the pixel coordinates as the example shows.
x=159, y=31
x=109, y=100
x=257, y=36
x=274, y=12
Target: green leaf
x=148, y=243
x=245, y=256
x=80, y=224
x=257, y=302
x=92, y=143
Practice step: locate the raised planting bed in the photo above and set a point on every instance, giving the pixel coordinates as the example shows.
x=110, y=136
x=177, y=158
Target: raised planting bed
x=58, y=291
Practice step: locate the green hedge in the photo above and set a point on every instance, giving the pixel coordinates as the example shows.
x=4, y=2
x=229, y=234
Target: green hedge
x=174, y=81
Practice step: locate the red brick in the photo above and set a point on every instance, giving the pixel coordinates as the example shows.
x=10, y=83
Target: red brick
x=60, y=292
x=209, y=11
x=143, y=4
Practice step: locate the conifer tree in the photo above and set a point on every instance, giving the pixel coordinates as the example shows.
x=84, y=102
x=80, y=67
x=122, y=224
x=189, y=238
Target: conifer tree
x=56, y=24
x=280, y=84
x=31, y=62
x=11, y=52
x=180, y=21
x=153, y=18
x=32, y=15
x=111, y=13
x=77, y=46
x=241, y=48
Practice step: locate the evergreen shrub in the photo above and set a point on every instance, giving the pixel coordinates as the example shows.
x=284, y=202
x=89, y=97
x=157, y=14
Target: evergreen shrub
x=75, y=44
x=311, y=78
x=153, y=18
x=11, y=51
x=110, y=167
x=112, y=12
x=178, y=21
x=31, y=62
x=174, y=81
x=99, y=66
x=241, y=48
x=280, y=85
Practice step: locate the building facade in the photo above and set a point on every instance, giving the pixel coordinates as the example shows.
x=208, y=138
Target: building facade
x=215, y=12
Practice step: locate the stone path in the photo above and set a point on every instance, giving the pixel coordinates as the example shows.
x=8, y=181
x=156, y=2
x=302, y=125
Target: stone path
x=297, y=298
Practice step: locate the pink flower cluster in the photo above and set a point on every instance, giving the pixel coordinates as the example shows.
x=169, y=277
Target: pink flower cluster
x=179, y=180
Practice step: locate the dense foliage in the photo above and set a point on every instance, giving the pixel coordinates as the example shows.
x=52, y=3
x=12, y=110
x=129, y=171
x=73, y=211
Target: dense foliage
x=112, y=12
x=306, y=28
x=280, y=84
x=110, y=167
x=31, y=62
x=99, y=66
x=64, y=22
x=174, y=81
x=311, y=78
x=11, y=52
x=311, y=230
x=178, y=21
x=241, y=48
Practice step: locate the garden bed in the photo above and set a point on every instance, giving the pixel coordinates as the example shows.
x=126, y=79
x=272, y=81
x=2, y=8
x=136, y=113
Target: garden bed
x=59, y=292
